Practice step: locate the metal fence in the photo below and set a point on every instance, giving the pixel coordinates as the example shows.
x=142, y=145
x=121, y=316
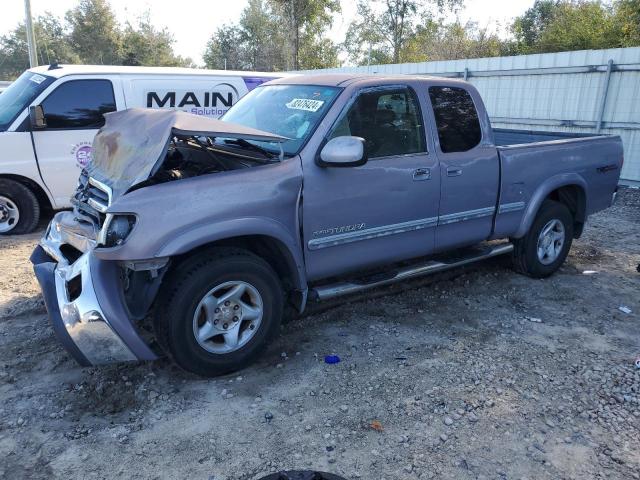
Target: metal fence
x=587, y=91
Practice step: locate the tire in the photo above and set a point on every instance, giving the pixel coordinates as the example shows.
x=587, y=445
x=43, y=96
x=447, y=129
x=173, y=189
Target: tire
x=556, y=219
x=19, y=208
x=186, y=310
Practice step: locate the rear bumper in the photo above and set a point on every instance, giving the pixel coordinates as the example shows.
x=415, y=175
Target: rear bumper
x=84, y=300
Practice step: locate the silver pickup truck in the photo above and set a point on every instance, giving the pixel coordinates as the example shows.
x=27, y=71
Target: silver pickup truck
x=195, y=237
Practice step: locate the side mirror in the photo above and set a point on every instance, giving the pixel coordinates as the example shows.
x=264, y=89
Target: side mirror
x=343, y=152
x=36, y=117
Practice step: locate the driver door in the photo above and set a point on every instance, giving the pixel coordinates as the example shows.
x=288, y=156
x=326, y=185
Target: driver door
x=380, y=212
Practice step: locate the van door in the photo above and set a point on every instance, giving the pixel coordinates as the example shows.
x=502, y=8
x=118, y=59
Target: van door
x=469, y=170
x=73, y=112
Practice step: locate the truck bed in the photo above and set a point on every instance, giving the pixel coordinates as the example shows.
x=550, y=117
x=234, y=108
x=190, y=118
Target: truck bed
x=506, y=137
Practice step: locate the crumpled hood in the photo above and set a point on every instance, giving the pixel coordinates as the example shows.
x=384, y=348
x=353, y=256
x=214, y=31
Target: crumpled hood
x=132, y=143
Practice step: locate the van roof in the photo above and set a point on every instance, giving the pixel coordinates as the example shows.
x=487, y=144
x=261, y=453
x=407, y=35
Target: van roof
x=62, y=70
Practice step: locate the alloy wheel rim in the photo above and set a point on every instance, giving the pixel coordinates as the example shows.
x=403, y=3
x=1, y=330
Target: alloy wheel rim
x=9, y=214
x=227, y=317
x=550, y=242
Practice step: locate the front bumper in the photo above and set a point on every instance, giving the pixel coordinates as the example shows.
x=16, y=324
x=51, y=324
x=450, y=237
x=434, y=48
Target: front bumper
x=84, y=298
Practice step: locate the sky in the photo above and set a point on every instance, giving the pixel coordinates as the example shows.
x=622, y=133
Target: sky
x=193, y=21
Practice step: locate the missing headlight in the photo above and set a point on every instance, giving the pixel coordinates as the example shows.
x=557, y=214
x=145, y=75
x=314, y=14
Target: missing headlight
x=117, y=230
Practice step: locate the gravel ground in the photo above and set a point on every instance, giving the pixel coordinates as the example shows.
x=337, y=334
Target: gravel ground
x=488, y=374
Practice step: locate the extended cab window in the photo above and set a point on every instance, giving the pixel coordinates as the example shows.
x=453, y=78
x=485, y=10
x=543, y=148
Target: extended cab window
x=388, y=119
x=79, y=104
x=456, y=119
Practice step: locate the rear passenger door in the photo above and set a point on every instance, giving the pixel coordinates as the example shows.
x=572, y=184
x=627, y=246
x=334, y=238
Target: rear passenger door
x=380, y=212
x=74, y=112
x=469, y=169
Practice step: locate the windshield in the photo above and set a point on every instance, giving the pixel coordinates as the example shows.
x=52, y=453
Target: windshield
x=19, y=95
x=291, y=111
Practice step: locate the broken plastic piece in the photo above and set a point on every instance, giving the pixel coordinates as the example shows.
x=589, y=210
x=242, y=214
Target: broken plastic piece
x=624, y=309
x=589, y=272
x=376, y=425
x=331, y=359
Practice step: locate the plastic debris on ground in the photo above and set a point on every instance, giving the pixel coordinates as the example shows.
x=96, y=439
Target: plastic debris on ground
x=624, y=309
x=638, y=363
x=376, y=425
x=332, y=359
x=534, y=319
x=589, y=272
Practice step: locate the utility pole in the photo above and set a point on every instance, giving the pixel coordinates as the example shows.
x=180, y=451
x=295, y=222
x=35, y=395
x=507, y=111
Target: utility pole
x=31, y=38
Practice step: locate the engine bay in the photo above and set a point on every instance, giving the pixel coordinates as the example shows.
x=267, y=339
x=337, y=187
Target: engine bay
x=194, y=156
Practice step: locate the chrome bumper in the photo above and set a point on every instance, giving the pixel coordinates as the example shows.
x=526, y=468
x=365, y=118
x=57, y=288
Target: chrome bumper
x=77, y=310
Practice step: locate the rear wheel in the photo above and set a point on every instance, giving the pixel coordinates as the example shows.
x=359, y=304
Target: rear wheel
x=219, y=311
x=19, y=208
x=545, y=246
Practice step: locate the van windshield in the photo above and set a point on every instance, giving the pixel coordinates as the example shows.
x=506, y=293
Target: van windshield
x=19, y=95
x=291, y=111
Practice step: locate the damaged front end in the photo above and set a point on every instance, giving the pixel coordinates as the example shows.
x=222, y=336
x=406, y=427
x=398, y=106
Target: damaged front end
x=97, y=306
x=90, y=300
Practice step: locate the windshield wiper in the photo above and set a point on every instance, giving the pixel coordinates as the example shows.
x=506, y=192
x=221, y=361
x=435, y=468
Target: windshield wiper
x=244, y=143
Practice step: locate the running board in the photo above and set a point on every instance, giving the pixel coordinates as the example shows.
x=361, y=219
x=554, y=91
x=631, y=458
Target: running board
x=346, y=288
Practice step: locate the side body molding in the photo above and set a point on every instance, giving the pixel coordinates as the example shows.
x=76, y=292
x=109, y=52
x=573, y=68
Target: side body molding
x=543, y=190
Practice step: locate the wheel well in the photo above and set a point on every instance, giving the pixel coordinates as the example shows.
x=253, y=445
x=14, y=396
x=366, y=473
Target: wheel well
x=37, y=190
x=271, y=250
x=574, y=198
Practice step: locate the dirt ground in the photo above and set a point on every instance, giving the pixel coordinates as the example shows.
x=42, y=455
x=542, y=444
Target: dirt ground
x=485, y=375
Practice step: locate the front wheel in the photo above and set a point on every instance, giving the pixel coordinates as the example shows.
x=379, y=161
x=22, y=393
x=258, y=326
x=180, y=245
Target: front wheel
x=546, y=245
x=219, y=311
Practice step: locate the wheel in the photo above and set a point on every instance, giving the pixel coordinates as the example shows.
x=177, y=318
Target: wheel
x=546, y=245
x=19, y=208
x=219, y=311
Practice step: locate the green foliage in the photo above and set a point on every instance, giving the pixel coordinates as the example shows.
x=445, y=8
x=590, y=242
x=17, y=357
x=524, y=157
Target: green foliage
x=563, y=25
x=145, y=45
x=90, y=34
x=94, y=33
x=52, y=46
x=276, y=35
x=384, y=28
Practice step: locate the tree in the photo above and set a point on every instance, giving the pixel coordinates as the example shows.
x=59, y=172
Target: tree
x=95, y=35
x=146, y=45
x=52, y=47
x=627, y=22
x=528, y=28
x=384, y=27
x=225, y=49
x=261, y=37
x=304, y=21
x=562, y=25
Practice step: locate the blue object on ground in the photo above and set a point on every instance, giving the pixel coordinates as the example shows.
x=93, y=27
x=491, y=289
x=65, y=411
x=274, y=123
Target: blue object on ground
x=331, y=359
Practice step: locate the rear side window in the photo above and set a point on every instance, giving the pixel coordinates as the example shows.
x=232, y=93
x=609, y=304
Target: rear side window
x=456, y=119
x=388, y=119
x=79, y=104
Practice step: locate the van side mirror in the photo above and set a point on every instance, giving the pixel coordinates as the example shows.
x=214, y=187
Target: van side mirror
x=36, y=117
x=343, y=152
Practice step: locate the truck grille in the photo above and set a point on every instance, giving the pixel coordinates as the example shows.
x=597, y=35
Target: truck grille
x=91, y=200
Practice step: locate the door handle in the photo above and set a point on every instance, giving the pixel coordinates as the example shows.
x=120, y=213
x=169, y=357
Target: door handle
x=454, y=172
x=421, y=174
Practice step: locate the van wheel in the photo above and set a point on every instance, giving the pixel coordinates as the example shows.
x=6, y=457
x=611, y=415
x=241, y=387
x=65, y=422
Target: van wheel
x=546, y=245
x=19, y=208
x=219, y=311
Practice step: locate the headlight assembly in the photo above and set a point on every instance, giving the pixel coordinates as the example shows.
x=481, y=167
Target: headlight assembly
x=116, y=229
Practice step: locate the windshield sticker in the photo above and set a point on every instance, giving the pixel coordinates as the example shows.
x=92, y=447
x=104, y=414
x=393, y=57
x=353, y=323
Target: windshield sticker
x=305, y=104
x=35, y=78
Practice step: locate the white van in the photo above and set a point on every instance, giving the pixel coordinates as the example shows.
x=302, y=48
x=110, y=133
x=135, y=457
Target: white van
x=50, y=114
